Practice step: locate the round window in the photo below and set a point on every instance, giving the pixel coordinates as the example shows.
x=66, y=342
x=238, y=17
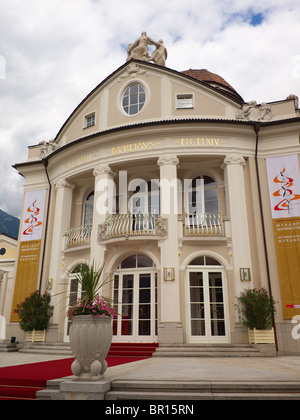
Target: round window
x=134, y=99
x=2, y=251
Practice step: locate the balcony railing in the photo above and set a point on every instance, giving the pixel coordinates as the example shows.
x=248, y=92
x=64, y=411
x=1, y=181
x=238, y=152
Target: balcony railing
x=124, y=225
x=78, y=236
x=209, y=224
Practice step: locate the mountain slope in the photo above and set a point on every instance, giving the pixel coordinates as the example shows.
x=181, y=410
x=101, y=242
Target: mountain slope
x=9, y=224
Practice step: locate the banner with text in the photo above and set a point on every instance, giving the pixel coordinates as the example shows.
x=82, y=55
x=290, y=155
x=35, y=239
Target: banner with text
x=30, y=247
x=284, y=189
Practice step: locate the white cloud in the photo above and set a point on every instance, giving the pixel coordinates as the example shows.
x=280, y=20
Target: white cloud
x=56, y=51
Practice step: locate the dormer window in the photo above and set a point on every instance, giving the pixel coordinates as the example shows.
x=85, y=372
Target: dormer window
x=185, y=101
x=89, y=120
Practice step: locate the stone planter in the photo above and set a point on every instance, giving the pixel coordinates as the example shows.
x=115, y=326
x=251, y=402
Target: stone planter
x=261, y=336
x=90, y=340
x=36, y=336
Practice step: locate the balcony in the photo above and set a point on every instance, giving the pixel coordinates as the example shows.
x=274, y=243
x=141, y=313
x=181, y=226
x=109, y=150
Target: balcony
x=210, y=225
x=78, y=236
x=204, y=225
x=125, y=225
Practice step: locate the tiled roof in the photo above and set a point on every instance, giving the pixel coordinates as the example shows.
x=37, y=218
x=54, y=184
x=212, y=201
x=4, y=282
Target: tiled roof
x=206, y=76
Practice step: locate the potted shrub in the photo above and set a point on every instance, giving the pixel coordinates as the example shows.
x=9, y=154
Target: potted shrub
x=91, y=327
x=35, y=313
x=256, y=311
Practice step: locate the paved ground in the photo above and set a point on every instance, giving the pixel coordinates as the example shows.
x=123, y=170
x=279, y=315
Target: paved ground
x=283, y=368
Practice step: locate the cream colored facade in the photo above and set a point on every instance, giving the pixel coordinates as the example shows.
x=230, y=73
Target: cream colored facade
x=176, y=276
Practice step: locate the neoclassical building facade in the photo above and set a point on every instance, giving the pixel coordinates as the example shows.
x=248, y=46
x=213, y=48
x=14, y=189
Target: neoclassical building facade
x=163, y=175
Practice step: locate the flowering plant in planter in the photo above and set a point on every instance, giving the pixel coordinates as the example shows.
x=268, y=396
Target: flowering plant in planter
x=91, y=328
x=256, y=309
x=35, y=311
x=91, y=302
x=95, y=308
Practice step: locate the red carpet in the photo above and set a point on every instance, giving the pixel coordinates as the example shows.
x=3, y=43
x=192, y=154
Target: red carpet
x=23, y=381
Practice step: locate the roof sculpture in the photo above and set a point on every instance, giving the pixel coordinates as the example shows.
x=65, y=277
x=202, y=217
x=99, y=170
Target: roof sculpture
x=139, y=50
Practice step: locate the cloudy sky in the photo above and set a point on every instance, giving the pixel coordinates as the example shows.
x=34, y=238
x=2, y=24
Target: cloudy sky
x=54, y=52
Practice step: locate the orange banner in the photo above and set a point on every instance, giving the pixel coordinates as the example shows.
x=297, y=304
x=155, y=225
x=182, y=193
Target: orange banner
x=27, y=273
x=284, y=189
x=287, y=242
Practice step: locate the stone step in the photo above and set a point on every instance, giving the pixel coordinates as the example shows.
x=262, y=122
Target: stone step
x=194, y=350
x=202, y=390
x=8, y=348
x=62, y=349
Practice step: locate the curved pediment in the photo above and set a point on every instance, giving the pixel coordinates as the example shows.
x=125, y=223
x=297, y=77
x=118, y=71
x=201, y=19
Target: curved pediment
x=141, y=92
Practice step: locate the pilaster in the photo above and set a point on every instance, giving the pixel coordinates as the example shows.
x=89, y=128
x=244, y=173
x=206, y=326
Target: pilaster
x=62, y=218
x=104, y=192
x=237, y=206
x=170, y=328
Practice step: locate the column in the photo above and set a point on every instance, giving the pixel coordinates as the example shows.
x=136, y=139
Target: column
x=104, y=196
x=237, y=207
x=62, y=219
x=170, y=328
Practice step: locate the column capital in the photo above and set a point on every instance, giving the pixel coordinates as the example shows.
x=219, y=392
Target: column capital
x=64, y=184
x=234, y=159
x=168, y=160
x=103, y=170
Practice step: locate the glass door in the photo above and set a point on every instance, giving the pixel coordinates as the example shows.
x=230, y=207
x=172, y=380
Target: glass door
x=136, y=297
x=207, y=306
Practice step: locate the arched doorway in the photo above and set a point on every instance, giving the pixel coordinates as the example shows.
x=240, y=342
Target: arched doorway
x=207, y=303
x=135, y=291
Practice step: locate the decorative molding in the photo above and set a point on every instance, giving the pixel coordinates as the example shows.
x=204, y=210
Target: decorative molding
x=132, y=71
x=168, y=160
x=234, y=159
x=161, y=226
x=102, y=232
x=253, y=112
x=64, y=184
x=103, y=170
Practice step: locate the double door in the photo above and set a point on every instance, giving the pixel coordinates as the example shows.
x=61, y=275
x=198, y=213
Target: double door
x=135, y=294
x=207, y=310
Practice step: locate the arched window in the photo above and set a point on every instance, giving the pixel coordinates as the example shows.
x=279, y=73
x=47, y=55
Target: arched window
x=204, y=260
x=144, y=197
x=88, y=209
x=202, y=196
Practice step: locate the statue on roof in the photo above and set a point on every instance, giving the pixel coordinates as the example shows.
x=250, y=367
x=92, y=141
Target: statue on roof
x=139, y=50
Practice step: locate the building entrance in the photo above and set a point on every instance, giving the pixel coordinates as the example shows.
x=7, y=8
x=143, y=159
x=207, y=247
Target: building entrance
x=135, y=294
x=207, y=311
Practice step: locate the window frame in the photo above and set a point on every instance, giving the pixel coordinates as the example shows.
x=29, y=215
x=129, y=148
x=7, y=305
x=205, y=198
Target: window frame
x=185, y=97
x=131, y=104
x=90, y=117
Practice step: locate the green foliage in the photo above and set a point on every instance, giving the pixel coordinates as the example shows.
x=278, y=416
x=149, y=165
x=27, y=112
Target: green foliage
x=35, y=312
x=256, y=309
x=91, y=303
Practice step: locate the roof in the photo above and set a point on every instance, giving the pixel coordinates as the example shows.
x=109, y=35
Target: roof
x=213, y=79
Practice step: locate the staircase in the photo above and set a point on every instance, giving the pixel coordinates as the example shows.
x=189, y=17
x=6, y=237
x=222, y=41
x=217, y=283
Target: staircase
x=116, y=349
x=8, y=348
x=202, y=390
x=152, y=349
x=57, y=349
x=207, y=350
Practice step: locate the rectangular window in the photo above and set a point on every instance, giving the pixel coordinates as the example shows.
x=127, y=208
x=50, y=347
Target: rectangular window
x=185, y=101
x=89, y=120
